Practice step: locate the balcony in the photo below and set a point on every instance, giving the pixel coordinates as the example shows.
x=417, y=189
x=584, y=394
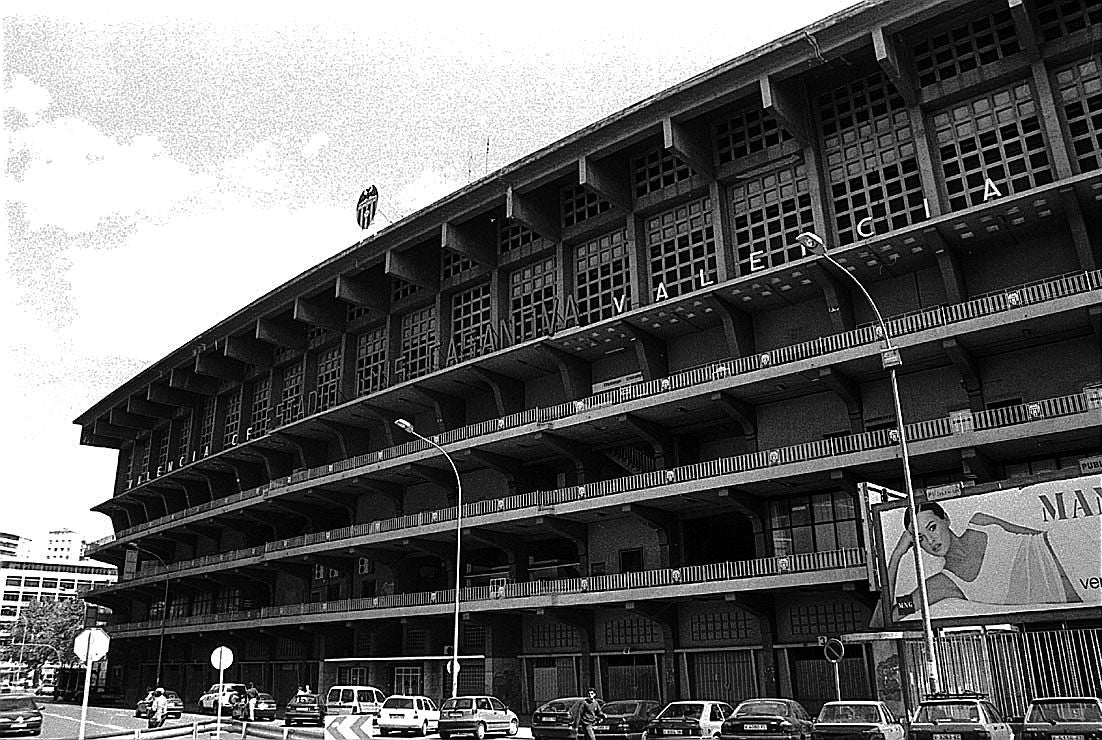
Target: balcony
x=832, y=566
x=910, y=330
x=964, y=429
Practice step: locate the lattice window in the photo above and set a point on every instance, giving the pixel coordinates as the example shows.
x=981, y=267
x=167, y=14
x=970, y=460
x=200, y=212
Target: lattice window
x=517, y=240
x=817, y=523
x=579, y=204
x=415, y=642
x=829, y=618
x=129, y=465
x=183, y=444
x=869, y=150
x=371, y=361
x=473, y=638
x=401, y=289
x=658, y=169
x=552, y=635
x=630, y=631
x=767, y=213
x=206, y=426
x=965, y=47
x=1058, y=18
x=329, y=378
x=317, y=336
x=682, y=247
x=419, y=343
x=747, y=133
x=601, y=281
x=716, y=626
x=262, y=403
x=470, y=320
x=290, y=397
x=232, y=419
x=1080, y=91
x=163, y=439
x=229, y=600
x=354, y=312
x=285, y=354
x=533, y=291
x=994, y=137
x=143, y=468
x=453, y=264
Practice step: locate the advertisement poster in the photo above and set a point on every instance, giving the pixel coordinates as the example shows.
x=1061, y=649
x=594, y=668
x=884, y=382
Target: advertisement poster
x=1006, y=552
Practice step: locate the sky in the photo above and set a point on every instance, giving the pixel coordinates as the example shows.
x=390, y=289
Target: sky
x=166, y=166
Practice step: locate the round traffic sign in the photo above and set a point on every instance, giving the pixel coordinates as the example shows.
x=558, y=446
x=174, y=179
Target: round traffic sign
x=834, y=650
x=91, y=644
x=221, y=658
x=449, y=666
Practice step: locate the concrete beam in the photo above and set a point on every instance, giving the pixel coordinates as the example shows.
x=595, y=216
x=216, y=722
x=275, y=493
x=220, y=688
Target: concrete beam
x=466, y=242
x=742, y=413
x=450, y=411
x=1023, y=29
x=693, y=151
x=600, y=179
x=187, y=380
x=250, y=351
x=544, y=221
x=140, y=407
x=220, y=366
x=574, y=372
x=969, y=371
x=361, y=291
x=651, y=352
x=413, y=268
x=281, y=333
x=887, y=56
x=508, y=392
x=655, y=434
x=738, y=329
x=783, y=102
x=120, y=418
x=323, y=315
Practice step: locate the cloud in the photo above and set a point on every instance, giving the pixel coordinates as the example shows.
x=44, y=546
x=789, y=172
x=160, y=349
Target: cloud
x=24, y=96
x=75, y=178
x=316, y=143
x=429, y=186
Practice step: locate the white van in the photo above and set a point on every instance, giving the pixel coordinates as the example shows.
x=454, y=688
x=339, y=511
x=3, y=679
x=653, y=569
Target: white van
x=353, y=700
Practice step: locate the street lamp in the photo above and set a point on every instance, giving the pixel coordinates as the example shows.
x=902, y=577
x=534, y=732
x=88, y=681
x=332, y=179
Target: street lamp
x=890, y=359
x=164, y=610
x=407, y=427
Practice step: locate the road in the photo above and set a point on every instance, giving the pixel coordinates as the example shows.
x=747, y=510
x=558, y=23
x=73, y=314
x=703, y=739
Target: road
x=62, y=722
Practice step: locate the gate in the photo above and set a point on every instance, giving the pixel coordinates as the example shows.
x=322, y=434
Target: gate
x=729, y=675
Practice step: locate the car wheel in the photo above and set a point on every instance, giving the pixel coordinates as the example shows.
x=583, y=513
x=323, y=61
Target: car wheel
x=480, y=731
x=514, y=727
x=445, y=735
x=424, y=728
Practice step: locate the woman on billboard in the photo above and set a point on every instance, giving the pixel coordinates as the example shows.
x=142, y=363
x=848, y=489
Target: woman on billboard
x=991, y=561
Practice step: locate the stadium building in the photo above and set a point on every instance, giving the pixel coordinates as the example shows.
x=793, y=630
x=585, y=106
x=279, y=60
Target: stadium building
x=663, y=413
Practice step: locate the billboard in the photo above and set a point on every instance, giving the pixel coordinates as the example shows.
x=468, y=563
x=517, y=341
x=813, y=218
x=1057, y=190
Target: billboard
x=1003, y=552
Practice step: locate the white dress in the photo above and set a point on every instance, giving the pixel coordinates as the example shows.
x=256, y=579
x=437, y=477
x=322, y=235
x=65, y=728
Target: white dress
x=1016, y=569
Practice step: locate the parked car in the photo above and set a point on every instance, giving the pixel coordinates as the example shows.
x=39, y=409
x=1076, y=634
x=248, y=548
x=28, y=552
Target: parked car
x=958, y=717
x=857, y=720
x=304, y=709
x=175, y=705
x=477, y=715
x=691, y=718
x=354, y=700
x=625, y=719
x=1062, y=717
x=404, y=713
x=265, y=708
x=20, y=713
x=557, y=719
x=777, y=719
x=46, y=689
x=220, y=693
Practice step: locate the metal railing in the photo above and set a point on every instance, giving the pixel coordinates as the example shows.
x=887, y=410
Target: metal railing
x=853, y=557
x=994, y=302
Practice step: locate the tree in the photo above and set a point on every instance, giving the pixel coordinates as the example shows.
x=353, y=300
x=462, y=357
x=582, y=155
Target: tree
x=55, y=623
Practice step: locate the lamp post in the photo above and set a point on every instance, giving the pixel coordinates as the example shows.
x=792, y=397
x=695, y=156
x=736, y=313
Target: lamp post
x=890, y=359
x=408, y=427
x=164, y=611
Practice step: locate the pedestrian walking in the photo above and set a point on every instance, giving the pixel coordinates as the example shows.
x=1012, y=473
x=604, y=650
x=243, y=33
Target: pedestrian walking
x=252, y=695
x=159, y=710
x=588, y=713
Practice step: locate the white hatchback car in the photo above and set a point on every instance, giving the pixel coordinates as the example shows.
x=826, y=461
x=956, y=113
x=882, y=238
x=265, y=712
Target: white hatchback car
x=220, y=693
x=403, y=713
x=845, y=719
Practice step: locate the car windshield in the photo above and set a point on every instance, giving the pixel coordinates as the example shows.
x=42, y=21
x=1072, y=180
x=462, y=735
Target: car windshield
x=299, y=700
x=621, y=708
x=1064, y=711
x=948, y=712
x=265, y=697
x=16, y=704
x=849, y=713
x=460, y=702
x=770, y=708
x=682, y=711
x=171, y=695
x=398, y=702
x=559, y=705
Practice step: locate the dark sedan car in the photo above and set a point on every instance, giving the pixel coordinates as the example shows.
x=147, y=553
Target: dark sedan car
x=304, y=709
x=625, y=719
x=776, y=719
x=175, y=705
x=557, y=719
x=1060, y=718
x=19, y=714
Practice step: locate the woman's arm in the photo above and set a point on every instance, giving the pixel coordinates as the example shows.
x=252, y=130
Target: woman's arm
x=981, y=519
x=905, y=543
